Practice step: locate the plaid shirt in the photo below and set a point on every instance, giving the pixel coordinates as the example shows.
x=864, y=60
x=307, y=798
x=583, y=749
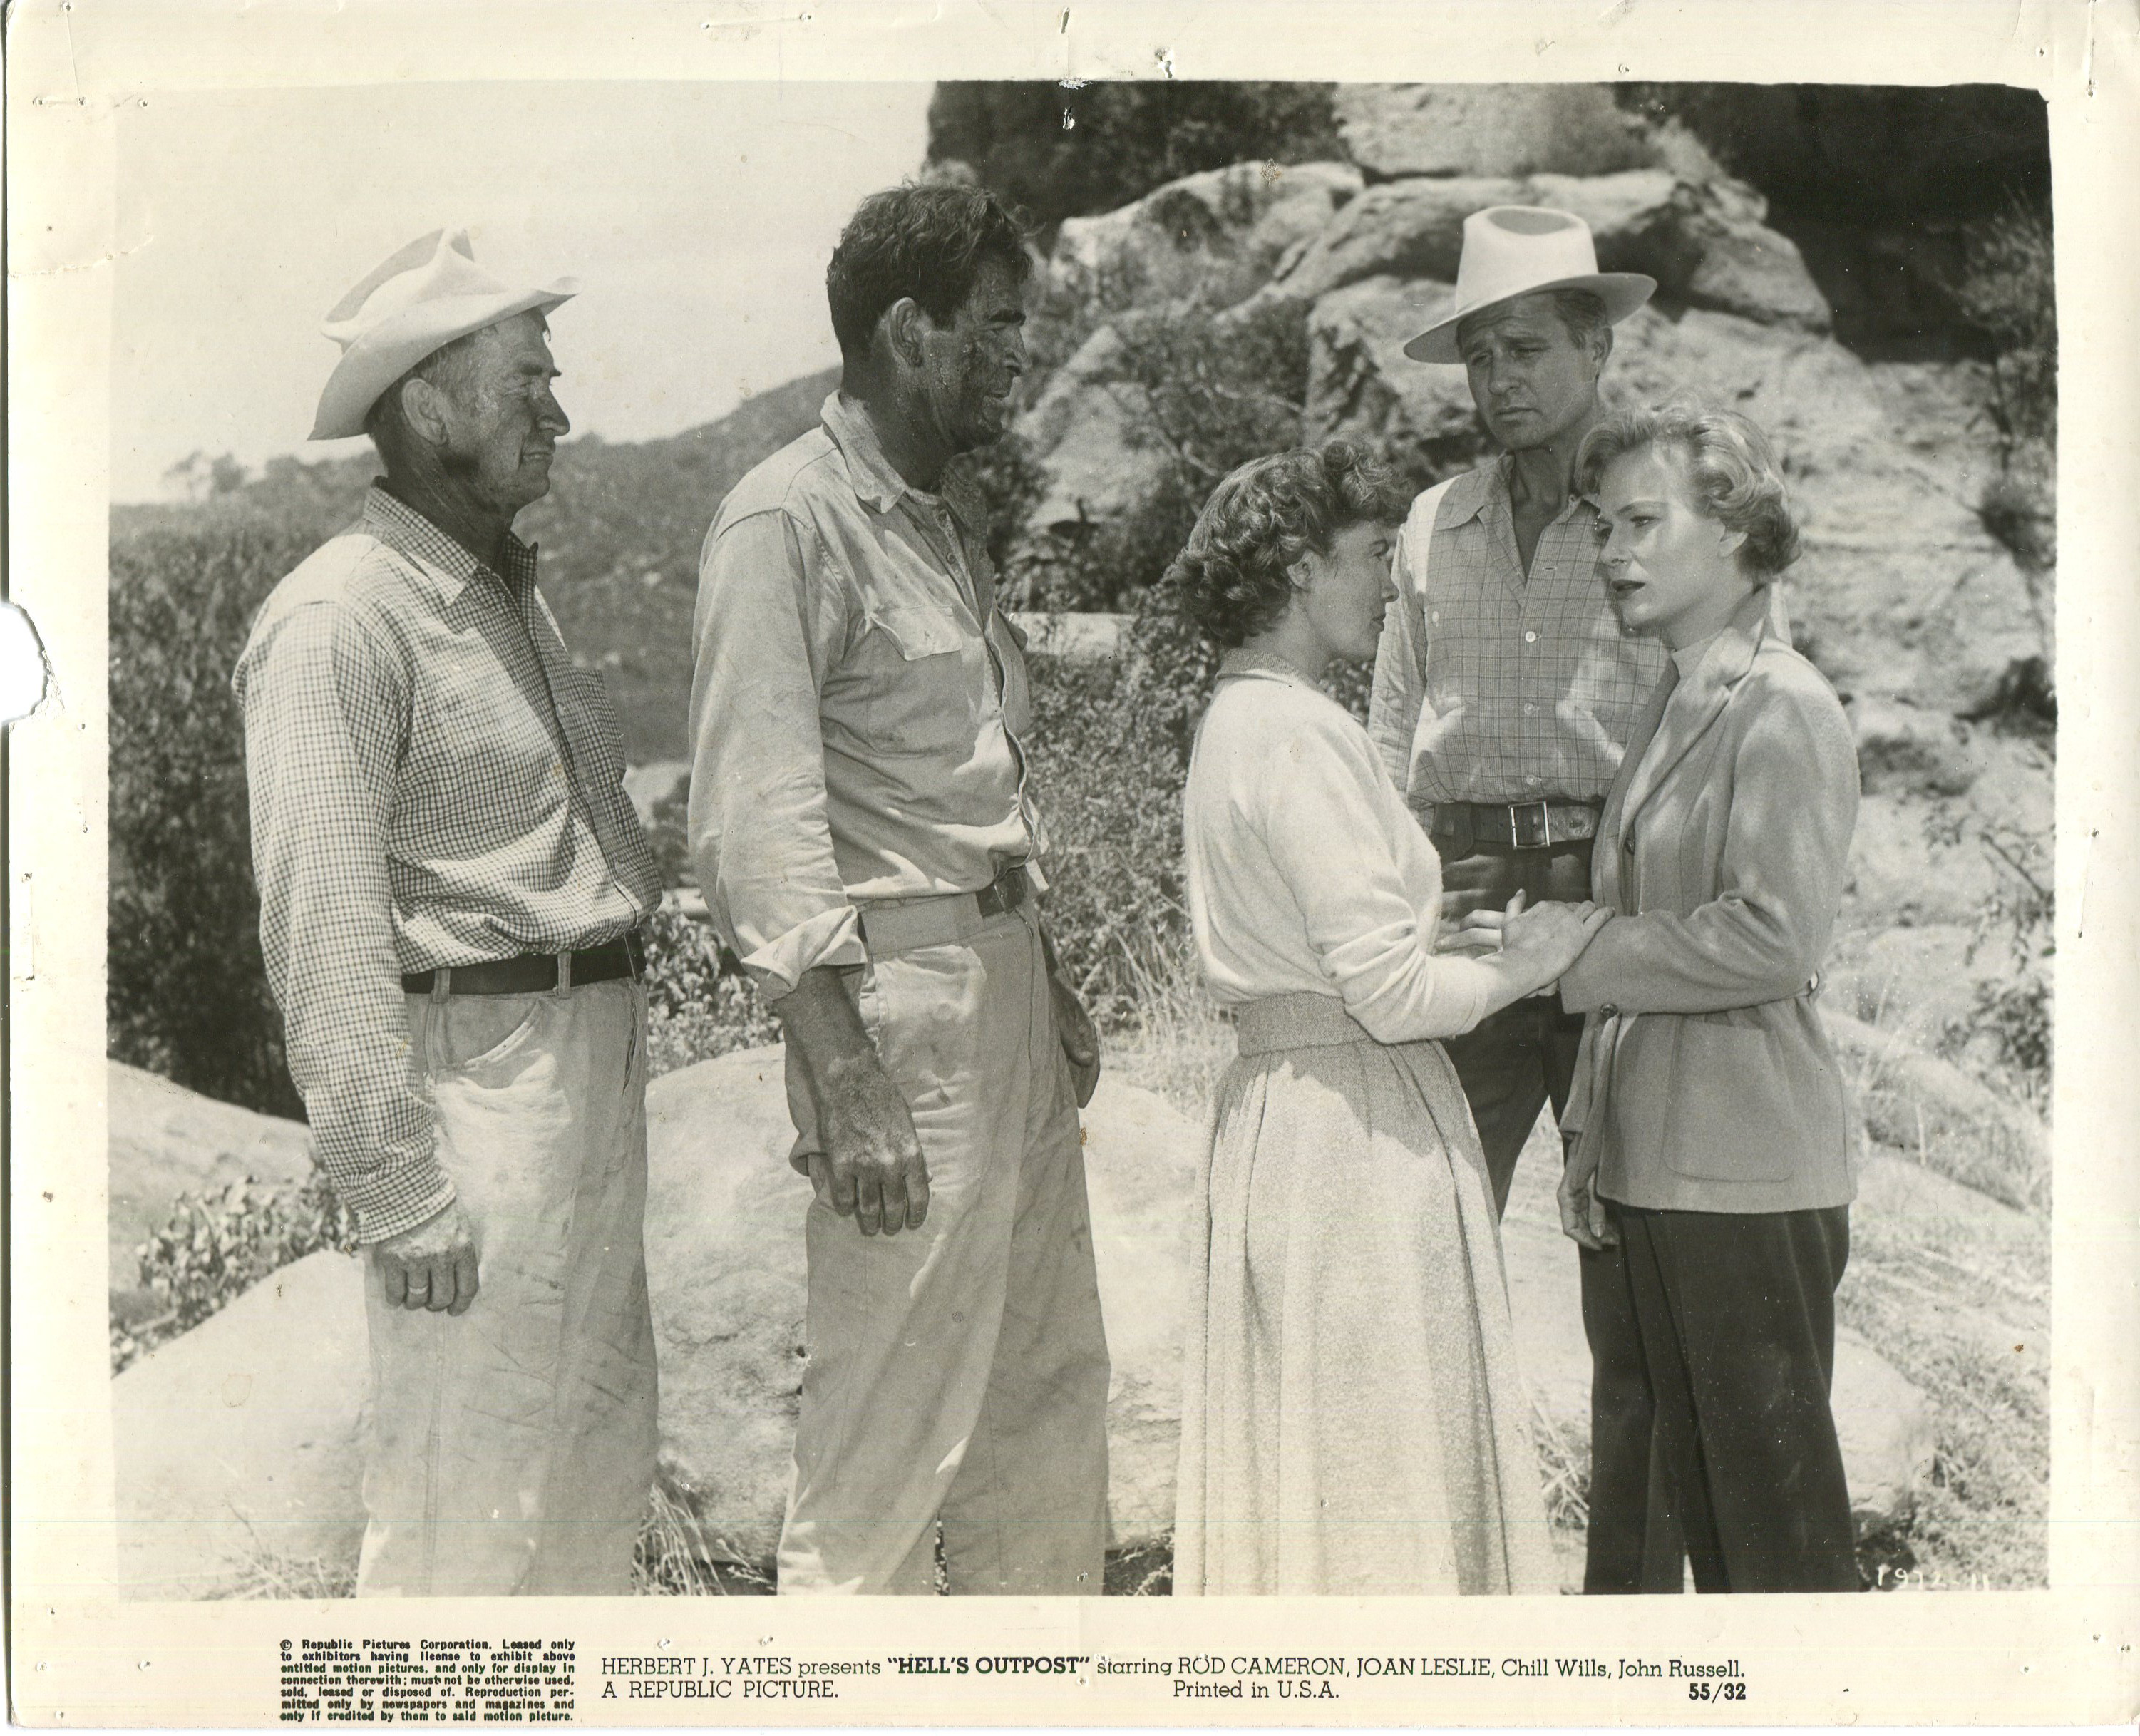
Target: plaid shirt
x=432, y=784
x=1494, y=686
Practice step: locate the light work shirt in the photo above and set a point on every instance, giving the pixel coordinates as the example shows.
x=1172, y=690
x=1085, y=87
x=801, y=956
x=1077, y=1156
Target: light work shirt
x=857, y=705
x=432, y=784
x=1494, y=686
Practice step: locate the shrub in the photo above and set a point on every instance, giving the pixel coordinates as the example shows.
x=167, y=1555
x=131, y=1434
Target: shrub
x=186, y=994
x=213, y=1247
x=1207, y=393
x=2008, y=1025
x=1106, y=774
x=698, y=1002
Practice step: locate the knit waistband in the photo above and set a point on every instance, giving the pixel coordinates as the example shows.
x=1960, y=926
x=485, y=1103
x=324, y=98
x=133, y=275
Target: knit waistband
x=1295, y=1021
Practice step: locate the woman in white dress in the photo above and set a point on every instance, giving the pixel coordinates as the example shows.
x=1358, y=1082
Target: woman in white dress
x=1353, y=1421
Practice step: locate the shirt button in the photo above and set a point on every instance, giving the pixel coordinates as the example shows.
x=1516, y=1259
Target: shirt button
x=1530, y=710
x=1610, y=1010
x=1435, y=615
x=1533, y=782
x=1530, y=638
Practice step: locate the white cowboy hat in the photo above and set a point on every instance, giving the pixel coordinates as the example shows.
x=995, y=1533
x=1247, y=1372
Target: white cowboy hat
x=420, y=300
x=1513, y=250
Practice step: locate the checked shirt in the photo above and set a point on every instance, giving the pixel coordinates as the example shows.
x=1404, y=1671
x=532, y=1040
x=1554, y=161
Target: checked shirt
x=432, y=784
x=1493, y=686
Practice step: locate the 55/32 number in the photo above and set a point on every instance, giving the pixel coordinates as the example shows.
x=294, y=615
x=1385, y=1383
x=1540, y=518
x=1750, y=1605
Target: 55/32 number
x=1716, y=1690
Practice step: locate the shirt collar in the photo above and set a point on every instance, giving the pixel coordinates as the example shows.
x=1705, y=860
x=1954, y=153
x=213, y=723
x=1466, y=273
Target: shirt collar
x=1472, y=495
x=401, y=527
x=877, y=481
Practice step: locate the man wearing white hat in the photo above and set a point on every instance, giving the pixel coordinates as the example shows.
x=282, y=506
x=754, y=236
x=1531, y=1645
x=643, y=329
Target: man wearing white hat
x=451, y=881
x=1505, y=688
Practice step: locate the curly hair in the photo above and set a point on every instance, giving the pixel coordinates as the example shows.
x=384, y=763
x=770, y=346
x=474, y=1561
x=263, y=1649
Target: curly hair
x=1230, y=575
x=927, y=242
x=1729, y=461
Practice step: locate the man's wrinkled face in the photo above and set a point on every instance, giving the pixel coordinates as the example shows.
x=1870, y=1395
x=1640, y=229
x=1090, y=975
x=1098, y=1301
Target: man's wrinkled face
x=502, y=419
x=971, y=363
x=1530, y=379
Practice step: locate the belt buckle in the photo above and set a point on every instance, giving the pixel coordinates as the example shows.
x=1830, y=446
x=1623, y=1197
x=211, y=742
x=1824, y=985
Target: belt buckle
x=1538, y=811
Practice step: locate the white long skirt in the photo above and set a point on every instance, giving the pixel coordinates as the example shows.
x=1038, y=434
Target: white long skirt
x=1353, y=1421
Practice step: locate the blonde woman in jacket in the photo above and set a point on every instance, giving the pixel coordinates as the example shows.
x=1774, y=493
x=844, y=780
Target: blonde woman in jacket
x=1352, y=1419
x=1711, y=1153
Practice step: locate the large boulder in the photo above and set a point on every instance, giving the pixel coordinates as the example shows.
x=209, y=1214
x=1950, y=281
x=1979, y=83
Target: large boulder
x=239, y=1445
x=1097, y=434
x=1092, y=437
x=1881, y=1419
x=723, y=1200
x=1392, y=131
x=166, y=1141
x=1902, y=594
x=238, y=1448
x=1213, y=239
x=1706, y=243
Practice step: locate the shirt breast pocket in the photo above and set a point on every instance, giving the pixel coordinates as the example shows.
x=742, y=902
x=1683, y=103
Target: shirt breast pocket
x=922, y=692
x=590, y=721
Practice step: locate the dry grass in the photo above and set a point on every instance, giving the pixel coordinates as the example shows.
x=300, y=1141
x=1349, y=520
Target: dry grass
x=1181, y=1042
x=265, y=1576
x=1563, y=1451
x=677, y=1557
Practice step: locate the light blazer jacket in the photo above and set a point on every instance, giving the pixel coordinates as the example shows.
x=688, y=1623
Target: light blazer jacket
x=1706, y=1081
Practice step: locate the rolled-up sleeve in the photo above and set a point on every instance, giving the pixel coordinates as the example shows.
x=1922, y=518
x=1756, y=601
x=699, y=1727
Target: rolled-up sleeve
x=760, y=835
x=1319, y=819
x=325, y=712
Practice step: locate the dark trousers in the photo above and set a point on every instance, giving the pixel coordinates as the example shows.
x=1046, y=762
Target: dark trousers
x=1511, y=1064
x=1712, y=1341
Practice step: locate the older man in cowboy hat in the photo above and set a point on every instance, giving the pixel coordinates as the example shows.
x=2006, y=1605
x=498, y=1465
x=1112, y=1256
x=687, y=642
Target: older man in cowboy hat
x=451, y=881
x=1505, y=688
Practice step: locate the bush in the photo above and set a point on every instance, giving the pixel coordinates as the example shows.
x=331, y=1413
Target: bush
x=1208, y=393
x=698, y=1002
x=2008, y=290
x=187, y=995
x=212, y=1248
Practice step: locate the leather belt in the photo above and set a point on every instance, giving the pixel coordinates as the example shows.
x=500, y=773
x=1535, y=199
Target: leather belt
x=898, y=924
x=536, y=973
x=1008, y=891
x=1517, y=826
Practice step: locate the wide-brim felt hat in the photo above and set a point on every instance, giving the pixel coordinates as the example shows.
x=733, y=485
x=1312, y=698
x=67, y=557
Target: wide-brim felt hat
x=1518, y=250
x=418, y=301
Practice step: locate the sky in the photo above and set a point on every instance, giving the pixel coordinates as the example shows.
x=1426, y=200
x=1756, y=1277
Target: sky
x=697, y=217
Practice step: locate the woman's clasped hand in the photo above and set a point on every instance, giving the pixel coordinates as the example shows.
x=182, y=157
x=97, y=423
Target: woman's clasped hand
x=1532, y=943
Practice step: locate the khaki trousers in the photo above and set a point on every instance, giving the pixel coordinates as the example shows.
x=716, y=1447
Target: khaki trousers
x=959, y=1371
x=512, y=1446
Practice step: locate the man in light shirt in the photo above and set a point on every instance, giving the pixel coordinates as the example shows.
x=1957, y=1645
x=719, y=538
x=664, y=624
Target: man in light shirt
x=1505, y=688
x=451, y=881
x=861, y=821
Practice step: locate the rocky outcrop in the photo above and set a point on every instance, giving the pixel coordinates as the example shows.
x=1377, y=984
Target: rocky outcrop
x=1882, y=1421
x=1392, y=131
x=1901, y=594
x=732, y=1351
x=239, y=1445
x=1215, y=237
x=167, y=1141
x=237, y=1448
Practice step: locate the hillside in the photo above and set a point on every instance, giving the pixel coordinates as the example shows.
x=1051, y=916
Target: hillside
x=619, y=531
